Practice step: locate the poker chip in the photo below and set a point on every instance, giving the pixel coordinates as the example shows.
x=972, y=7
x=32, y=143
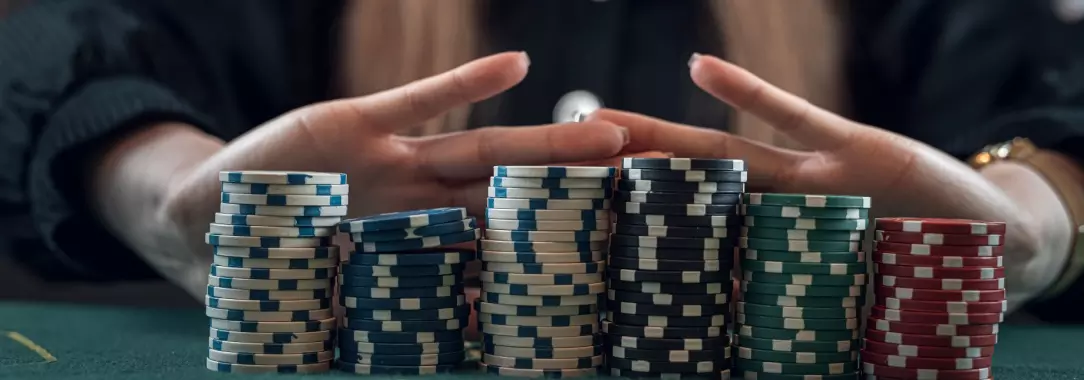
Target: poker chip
x=796, y=335
x=673, y=356
x=803, y=257
x=940, y=295
x=910, y=316
x=941, y=226
x=788, y=234
x=784, y=345
x=964, y=273
x=243, y=262
x=281, y=178
x=924, y=373
x=264, y=348
x=796, y=357
x=285, y=200
x=663, y=344
x=273, y=274
x=662, y=332
x=667, y=242
x=873, y=323
x=797, y=323
x=683, y=310
x=530, y=311
x=802, y=301
x=551, y=183
x=937, y=239
x=267, y=316
x=945, y=307
x=282, y=211
x=259, y=305
x=684, y=175
x=665, y=321
x=801, y=313
x=403, y=220
x=539, y=332
x=369, y=369
x=681, y=187
x=427, y=242
x=263, y=188
x=217, y=366
x=805, y=279
x=541, y=258
x=721, y=375
x=255, y=284
x=683, y=164
x=678, y=232
x=548, y=204
x=675, y=198
x=678, y=221
x=940, y=283
x=540, y=279
x=362, y=336
x=803, y=268
x=674, y=277
x=405, y=326
x=678, y=209
x=361, y=270
x=274, y=327
x=265, y=242
x=384, y=349
x=552, y=193
x=929, y=352
x=402, y=282
x=546, y=215
x=538, y=373
x=545, y=268
x=446, y=358
x=549, y=225
x=545, y=290
x=799, y=245
x=719, y=298
x=277, y=221
x=458, y=226
x=553, y=171
x=521, y=300
x=709, y=366
x=837, y=368
x=541, y=246
x=271, y=338
x=540, y=342
x=543, y=353
x=773, y=376
x=414, y=292
x=669, y=265
x=546, y=236
x=539, y=321
x=936, y=261
x=930, y=340
x=940, y=250
x=704, y=288
x=802, y=290
x=411, y=259
x=403, y=303
x=806, y=223
x=806, y=200
x=458, y=312
x=711, y=254
x=268, y=295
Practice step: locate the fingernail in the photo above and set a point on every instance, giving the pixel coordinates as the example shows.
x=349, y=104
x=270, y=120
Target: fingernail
x=624, y=135
x=670, y=154
x=526, y=59
x=693, y=59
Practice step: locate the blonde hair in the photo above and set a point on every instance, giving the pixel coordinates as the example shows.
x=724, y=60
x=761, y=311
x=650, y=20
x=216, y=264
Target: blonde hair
x=389, y=43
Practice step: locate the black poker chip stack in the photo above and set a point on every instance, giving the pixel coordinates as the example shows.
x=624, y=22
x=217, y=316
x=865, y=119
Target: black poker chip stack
x=669, y=269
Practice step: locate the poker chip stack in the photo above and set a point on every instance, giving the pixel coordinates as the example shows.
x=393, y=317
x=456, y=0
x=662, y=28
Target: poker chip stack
x=803, y=286
x=939, y=289
x=402, y=291
x=270, y=287
x=542, y=260
x=670, y=265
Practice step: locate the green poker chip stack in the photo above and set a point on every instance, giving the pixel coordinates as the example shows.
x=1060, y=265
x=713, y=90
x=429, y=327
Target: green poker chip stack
x=803, y=280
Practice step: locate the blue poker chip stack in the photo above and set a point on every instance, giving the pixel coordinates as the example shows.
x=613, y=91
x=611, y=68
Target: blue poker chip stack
x=269, y=292
x=669, y=271
x=542, y=275
x=402, y=290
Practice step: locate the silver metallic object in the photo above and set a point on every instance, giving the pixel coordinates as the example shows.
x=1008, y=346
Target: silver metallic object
x=575, y=106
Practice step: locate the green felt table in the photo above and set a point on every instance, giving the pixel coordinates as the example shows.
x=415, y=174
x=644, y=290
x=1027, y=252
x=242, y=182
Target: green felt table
x=91, y=343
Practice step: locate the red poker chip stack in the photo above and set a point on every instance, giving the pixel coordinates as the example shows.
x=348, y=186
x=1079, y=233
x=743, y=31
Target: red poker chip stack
x=939, y=288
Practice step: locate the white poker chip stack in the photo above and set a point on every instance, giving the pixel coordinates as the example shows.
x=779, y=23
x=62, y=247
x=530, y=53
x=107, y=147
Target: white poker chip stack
x=270, y=286
x=542, y=277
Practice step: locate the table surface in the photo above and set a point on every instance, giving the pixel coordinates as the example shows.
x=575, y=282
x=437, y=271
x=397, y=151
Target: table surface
x=91, y=343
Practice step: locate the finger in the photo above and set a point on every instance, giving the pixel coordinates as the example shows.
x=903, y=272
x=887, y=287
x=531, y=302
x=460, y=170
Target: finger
x=414, y=103
x=795, y=117
x=616, y=161
x=472, y=154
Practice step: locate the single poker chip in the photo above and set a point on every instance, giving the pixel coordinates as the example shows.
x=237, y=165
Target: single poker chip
x=401, y=282
x=444, y=358
x=930, y=329
x=648, y=253
x=801, y=313
x=418, y=243
x=403, y=220
x=683, y=164
x=680, y=277
x=796, y=357
x=275, y=348
x=539, y=332
x=667, y=299
x=541, y=246
x=796, y=323
x=937, y=239
x=258, y=305
x=662, y=344
x=940, y=250
x=803, y=257
x=806, y=200
x=752, y=375
x=805, y=279
x=940, y=295
x=493, y=369
x=681, y=187
x=941, y=226
x=704, y=288
x=319, y=367
x=261, y=188
x=554, y=171
x=721, y=375
x=670, y=265
x=423, y=258
x=678, y=221
x=944, y=307
x=546, y=236
x=677, y=209
x=803, y=268
x=942, y=284
x=277, y=221
x=310, y=211
x=274, y=327
x=405, y=326
x=518, y=300
x=930, y=341
x=806, y=223
x=385, y=349
x=400, y=271
x=883, y=371
x=673, y=356
x=678, y=232
x=503, y=192
x=253, y=284
x=803, y=290
x=929, y=352
x=535, y=311
x=788, y=234
x=361, y=336
x=805, y=212
x=549, y=225
x=403, y=303
x=539, y=342
x=793, y=301
x=799, y=245
x=282, y=177
x=547, y=268
x=709, y=366
x=440, y=229
x=839, y=368
x=458, y=312
x=965, y=273
x=283, y=254
x=285, y=200
x=545, y=290
x=540, y=279
x=668, y=242
x=542, y=321
x=548, y=204
x=268, y=295
x=551, y=183
x=273, y=274
x=668, y=310
x=684, y=175
x=272, y=338
x=718, y=320
x=910, y=316
x=546, y=215
x=534, y=363
x=677, y=198
x=385, y=292
x=267, y=316
x=265, y=242
x=543, y=352
x=785, y=345
x=936, y=261
x=663, y=332
x=369, y=369
x=795, y=335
